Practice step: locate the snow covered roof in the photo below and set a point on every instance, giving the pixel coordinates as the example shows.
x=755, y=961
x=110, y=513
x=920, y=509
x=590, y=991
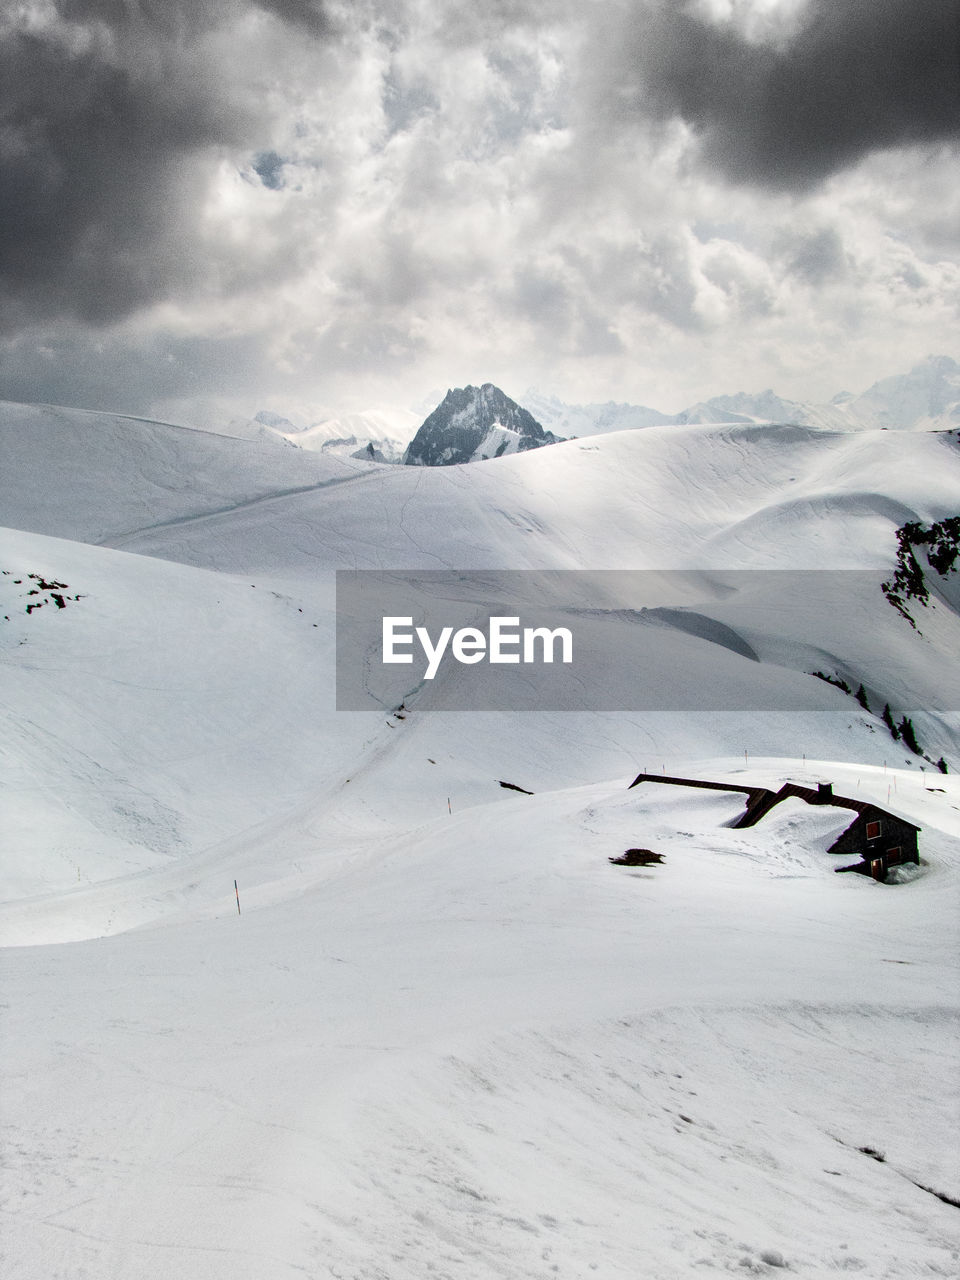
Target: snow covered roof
x=760, y=800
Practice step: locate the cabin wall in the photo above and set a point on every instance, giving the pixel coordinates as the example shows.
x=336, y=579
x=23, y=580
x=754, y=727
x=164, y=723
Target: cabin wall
x=894, y=833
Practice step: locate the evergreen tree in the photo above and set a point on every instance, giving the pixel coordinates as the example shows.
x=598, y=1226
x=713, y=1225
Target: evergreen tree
x=942, y=765
x=862, y=698
x=888, y=721
x=908, y=735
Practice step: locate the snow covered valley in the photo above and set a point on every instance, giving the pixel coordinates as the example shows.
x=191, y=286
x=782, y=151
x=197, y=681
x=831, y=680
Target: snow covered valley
x=443, y=1036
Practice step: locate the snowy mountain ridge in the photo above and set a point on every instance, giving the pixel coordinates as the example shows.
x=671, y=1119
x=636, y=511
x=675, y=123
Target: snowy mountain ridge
x=927, y=398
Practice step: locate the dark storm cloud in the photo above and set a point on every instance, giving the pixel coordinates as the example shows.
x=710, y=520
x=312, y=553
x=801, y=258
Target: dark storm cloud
x=785, y=113
x=106, y=119
x=88, y=170
x=126, y=375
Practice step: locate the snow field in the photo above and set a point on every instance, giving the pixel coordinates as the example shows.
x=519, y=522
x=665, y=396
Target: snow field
x=456, y=1041
x=486, y=1051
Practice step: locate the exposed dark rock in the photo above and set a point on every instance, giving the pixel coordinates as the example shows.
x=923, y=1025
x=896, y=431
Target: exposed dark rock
x=472, y=424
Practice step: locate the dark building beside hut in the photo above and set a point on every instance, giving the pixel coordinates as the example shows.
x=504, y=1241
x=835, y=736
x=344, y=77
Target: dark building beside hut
x=879, y=838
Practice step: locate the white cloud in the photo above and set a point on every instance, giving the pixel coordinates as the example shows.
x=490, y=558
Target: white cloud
x=378, y=200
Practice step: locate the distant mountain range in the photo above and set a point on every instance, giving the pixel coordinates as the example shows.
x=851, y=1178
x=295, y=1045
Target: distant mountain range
x=472, y=424
x=376, y=435
x=925, y=399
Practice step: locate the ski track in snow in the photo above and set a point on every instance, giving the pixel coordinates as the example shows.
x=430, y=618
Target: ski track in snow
x=122, y=540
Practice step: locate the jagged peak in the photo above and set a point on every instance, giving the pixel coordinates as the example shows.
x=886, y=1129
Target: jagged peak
x=474, y=423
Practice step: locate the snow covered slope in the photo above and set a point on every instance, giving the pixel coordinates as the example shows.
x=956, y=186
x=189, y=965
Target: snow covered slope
x=693, y=498
x=747, y=497
x=78, y=474
x=681, y=497
x=445, y=1035
x=477, y=1041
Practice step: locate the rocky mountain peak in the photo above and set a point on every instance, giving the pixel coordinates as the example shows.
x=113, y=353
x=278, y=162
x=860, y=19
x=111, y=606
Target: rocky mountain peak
x=473, y=424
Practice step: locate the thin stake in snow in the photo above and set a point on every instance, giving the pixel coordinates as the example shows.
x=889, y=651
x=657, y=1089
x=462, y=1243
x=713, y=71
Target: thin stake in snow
x=449, y=810
x=237, y=892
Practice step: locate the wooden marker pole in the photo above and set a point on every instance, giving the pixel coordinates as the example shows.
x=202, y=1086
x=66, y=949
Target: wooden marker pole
x=237, y=892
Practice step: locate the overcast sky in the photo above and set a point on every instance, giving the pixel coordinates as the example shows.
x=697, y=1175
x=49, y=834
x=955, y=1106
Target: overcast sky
x=300, y=204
